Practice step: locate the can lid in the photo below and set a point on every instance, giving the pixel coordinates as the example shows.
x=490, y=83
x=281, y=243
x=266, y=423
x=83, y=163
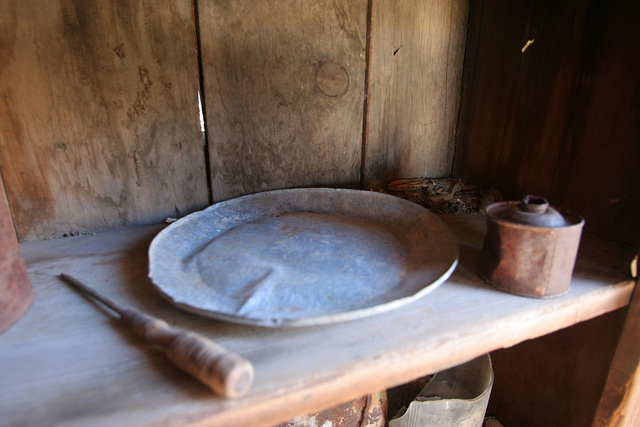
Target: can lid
x=532, y=210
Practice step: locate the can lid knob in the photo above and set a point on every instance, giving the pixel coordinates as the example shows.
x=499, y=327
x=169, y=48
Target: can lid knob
x=534, y=204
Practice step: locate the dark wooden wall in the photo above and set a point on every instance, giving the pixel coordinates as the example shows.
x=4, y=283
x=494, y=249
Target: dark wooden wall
x=560, y=119
x=99, y=112
x=557, y=379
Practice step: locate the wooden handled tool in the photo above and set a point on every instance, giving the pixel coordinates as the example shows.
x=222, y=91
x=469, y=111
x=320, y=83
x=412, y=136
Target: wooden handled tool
x=223, y=372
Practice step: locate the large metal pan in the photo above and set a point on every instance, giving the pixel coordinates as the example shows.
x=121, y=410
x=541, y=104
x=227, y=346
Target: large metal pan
x=302, y=257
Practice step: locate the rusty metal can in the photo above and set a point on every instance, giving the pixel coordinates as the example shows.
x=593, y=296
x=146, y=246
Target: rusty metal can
x=367, y=411
x=16, y=292
x=530, y=248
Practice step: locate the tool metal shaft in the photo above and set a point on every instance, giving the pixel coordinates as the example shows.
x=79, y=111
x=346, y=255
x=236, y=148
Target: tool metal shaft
x=87, y=290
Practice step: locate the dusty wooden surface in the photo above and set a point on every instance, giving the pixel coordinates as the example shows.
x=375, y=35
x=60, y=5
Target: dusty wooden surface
x=284, y=86
x=417, y=50
x=558, y=119
x=108, y=378
x=99, y=122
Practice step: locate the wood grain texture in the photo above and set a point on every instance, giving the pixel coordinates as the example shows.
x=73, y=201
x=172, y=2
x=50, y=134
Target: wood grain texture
x=99, y=114
x=223, y=372
x=275, y=118
x=417, y=52
x=515, y=104
x=555, y=380
x=619, y=403
x=559, y=119
x=110, y=379
x=598, y=170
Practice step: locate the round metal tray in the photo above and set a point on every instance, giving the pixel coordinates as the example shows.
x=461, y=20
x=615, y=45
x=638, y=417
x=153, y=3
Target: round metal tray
x=302, y=257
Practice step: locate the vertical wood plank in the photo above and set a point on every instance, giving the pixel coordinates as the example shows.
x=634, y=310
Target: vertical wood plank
x=555, y=380
x=99, y=122
x=620, y=402
x=516, y=103
x=284, y=92
x=417, y=53
x=598, y=172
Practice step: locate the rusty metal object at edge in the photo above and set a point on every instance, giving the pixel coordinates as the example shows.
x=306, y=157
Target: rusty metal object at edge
x=16, y=292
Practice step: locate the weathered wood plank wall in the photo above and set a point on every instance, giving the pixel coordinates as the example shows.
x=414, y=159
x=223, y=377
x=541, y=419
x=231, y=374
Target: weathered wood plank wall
x=284, y=86
x=99, y=121
x=560, y=119
x=417, y=52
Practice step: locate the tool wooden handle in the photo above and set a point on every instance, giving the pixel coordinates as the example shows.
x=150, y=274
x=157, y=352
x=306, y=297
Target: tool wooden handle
x=223, y=372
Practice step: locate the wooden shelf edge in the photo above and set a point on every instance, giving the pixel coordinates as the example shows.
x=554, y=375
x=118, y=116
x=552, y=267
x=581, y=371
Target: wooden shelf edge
x=396, y=369
x=371, y=372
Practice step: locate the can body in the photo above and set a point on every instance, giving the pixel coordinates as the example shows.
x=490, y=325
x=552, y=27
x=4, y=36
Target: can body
x=530, y=260
x=16, y=292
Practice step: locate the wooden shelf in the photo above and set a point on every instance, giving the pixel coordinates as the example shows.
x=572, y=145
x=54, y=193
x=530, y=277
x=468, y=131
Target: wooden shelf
x=66, y=362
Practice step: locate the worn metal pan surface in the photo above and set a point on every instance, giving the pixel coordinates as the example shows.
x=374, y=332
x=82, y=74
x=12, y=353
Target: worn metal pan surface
x=302, y=257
